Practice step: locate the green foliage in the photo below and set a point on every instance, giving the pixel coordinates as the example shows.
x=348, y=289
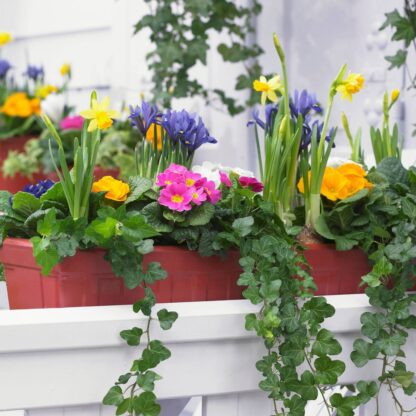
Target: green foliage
x=186, y=43
x=382, y=223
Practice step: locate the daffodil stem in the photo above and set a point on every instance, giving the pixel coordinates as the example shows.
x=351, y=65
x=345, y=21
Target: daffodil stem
x=325, y=127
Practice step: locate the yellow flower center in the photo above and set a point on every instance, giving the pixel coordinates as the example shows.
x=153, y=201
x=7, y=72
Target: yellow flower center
x=195, y=195
x=189, y=182
x=177, y=198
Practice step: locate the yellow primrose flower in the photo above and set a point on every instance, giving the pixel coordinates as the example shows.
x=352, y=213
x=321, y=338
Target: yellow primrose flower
x=65, y=69
x=116, y=190
x=268, y=88
x=5, y=37
x=19, y=104
x=395, y=95
x=351, y=85
x=150, y=135
x=100, y=115
x=44, y=90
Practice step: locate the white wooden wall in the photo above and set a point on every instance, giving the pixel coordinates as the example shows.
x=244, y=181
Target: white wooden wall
x=319, y=36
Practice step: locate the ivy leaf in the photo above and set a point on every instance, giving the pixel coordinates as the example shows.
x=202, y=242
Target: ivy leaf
x=243, y=226
x=398, y=59
x=153, y=355
x=327, y=370
x=154, y=272
x=366, y=391
x=146, y=304
x=326, y=344
x=101, y=230
x=146, y=405
x=46, y=255
x=124, y=407
x=166, y=318
x=147, y=380
x=48, y=226
x=344, y=405
x=372, y=324
x=132, y=336
x=363, y=352
x=296, y=405
x=253, y=295
x=114, y=396
x=289, y=319
x=305, y=387
x=390, y=344
x=319, y=309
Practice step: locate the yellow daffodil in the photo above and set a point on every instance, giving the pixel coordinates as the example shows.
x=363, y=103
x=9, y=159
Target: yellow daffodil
x=5, y=37
x=268, y=88
x=351, y=85
x=395, y=95
x=100, y=115
x=19, y=104
x=65, y=69
x=150, y=135
x=44, y=90
x=116, y=190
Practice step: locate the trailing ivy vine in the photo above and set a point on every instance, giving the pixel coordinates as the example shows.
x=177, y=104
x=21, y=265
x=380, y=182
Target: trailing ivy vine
x=180, y=33
x=383, y=223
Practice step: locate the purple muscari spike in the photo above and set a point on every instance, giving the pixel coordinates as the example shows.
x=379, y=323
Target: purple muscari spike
x=304, y=103
x=4, y=68
x=40, y=188
x=144, y=116
x=35, y=72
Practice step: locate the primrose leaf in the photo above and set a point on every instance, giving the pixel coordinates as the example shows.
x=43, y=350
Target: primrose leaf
x=243, y=226
x=138, y=187
x=25, y=204
x=201, y=215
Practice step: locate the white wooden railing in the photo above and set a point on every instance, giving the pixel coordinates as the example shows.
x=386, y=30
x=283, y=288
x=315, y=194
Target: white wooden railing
x=56, y=362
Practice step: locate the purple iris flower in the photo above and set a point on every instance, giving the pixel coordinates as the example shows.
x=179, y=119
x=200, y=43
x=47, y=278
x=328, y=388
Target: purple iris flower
x=35, y=72
x=308, y=131
x=144, y=116
x=303, y=103
x=40, y=188
x=4, y=68
x=187, y=129
x=270, y=111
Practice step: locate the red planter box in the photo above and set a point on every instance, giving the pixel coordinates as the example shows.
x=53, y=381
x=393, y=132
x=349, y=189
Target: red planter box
x=87, y=280
x=18, y=182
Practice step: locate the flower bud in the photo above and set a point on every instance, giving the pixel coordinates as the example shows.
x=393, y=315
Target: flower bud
x=394, y=95
x=278, y=47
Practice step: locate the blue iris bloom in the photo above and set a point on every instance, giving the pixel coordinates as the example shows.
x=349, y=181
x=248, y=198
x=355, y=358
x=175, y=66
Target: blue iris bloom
x=304, y=103
x=187, y=129
x=144, y=116
x=307, y=134
x=4, y=68
x=35, y=72
x=40, y=188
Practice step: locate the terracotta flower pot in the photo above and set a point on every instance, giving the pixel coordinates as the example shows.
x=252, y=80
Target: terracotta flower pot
x=18, y=182
x=87, y=280
x=336, y=272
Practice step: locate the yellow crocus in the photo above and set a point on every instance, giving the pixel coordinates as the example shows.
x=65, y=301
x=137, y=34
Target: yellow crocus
x=268, y=88
x=351, y=85
x=44, y=90
x=65, y=69
x=100, y=115
x=5, y=37
x=395, y=95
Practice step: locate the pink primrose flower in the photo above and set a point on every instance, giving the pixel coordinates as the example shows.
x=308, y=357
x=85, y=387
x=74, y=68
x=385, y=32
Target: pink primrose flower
x=176, y=197
x=168, y=178
x=198, y=195
x=214, y=195
x=71, y=123
x=225, y=179
x=251, y=183
x=191, y=179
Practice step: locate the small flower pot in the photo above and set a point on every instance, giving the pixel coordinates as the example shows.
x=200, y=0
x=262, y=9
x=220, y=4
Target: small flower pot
x=87, y=280
x=17, y=182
